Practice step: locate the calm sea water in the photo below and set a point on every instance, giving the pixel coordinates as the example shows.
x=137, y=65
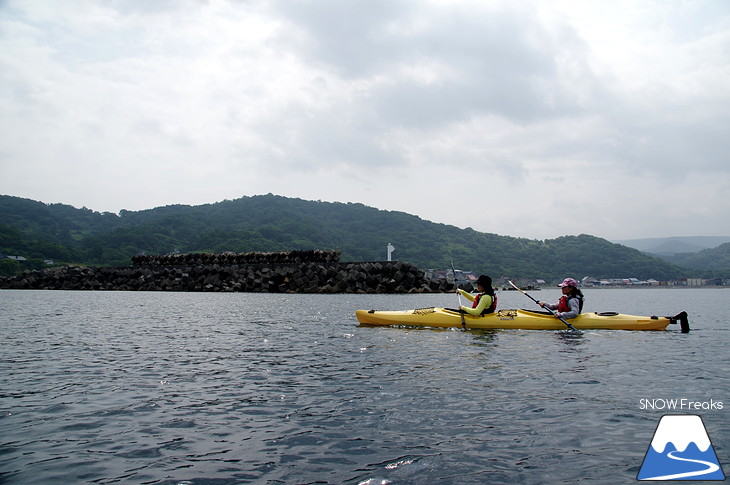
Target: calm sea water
x=194, y=388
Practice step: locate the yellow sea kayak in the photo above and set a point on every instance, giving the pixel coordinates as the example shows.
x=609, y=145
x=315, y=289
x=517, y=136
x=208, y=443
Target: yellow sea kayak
x=520, y=319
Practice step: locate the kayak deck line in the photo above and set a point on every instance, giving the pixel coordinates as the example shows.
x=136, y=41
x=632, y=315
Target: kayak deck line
x=516, y=319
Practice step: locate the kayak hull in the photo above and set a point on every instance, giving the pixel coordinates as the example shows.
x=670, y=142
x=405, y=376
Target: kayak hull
x=510, y=319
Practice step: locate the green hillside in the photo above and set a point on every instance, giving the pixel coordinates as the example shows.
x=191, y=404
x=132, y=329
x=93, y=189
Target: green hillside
x=712, y=262
x=275, y=223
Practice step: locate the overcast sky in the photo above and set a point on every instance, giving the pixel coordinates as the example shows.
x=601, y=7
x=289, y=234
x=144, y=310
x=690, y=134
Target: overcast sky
x=533, y=119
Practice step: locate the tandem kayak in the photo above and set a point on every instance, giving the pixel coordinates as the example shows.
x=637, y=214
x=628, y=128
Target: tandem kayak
x=517, y=319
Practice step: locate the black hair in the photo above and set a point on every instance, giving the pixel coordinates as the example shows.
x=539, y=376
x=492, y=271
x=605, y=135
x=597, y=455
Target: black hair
x=576, y=292
x=486, y=283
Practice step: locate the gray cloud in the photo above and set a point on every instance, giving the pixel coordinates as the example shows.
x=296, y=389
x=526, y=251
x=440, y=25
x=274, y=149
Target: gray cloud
x=524, y=101
x=483, y=59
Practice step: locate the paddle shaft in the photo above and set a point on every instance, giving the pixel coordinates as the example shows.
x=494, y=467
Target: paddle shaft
x=546, y=308
x=458, y=294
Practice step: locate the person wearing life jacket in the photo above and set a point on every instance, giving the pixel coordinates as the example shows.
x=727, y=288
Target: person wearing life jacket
x=483, y=302
x=570, y=304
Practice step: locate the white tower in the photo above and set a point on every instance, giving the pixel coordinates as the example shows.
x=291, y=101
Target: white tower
x=391, y=248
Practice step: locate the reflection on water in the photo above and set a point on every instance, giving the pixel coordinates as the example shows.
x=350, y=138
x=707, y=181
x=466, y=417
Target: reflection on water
x=483, y=337
x=571, y=338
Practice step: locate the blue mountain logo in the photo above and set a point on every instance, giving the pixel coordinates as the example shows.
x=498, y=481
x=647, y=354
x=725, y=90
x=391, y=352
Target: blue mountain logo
x=680, y=450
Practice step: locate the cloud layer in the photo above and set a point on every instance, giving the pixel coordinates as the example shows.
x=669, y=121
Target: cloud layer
x=529, y=119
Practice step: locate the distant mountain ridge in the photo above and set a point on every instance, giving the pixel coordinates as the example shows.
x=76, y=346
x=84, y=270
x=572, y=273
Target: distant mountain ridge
x=711, y=262
x=708, y=256
x=275, y=223
x=674, y=245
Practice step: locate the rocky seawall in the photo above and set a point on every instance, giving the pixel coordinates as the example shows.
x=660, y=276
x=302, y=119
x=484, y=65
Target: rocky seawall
x=292, y=272
x=228, y=258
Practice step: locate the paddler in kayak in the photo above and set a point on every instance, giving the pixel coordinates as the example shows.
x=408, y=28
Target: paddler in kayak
x=570, y=304
x=483, y=302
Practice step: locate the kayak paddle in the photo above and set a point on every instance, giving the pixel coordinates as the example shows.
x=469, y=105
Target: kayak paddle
x=546, y=308
x=458, y=294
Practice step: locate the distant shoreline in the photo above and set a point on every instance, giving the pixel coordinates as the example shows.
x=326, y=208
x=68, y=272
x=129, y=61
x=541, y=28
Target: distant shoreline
x=639, y=287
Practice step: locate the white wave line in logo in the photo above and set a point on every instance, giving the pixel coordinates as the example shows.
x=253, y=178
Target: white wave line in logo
x=711, y=468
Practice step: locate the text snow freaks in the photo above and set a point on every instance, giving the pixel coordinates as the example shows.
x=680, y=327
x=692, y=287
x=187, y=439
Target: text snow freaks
x=680, y=405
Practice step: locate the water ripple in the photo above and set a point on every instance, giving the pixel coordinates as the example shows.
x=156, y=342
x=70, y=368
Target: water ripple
x=197, y=389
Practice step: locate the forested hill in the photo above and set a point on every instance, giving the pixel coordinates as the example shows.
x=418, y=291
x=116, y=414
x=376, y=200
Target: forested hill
x=713, y=262
x=273, y=223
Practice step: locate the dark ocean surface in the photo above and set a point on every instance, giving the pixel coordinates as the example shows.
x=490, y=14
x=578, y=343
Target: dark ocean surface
x=198, y=388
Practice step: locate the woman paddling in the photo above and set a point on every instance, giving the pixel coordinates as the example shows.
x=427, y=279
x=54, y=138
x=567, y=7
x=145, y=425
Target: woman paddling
x=482, y=303
x=570, y=304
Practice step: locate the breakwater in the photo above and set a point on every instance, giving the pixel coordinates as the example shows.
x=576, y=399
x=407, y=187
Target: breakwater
x=294, y=272
x=229, y=258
